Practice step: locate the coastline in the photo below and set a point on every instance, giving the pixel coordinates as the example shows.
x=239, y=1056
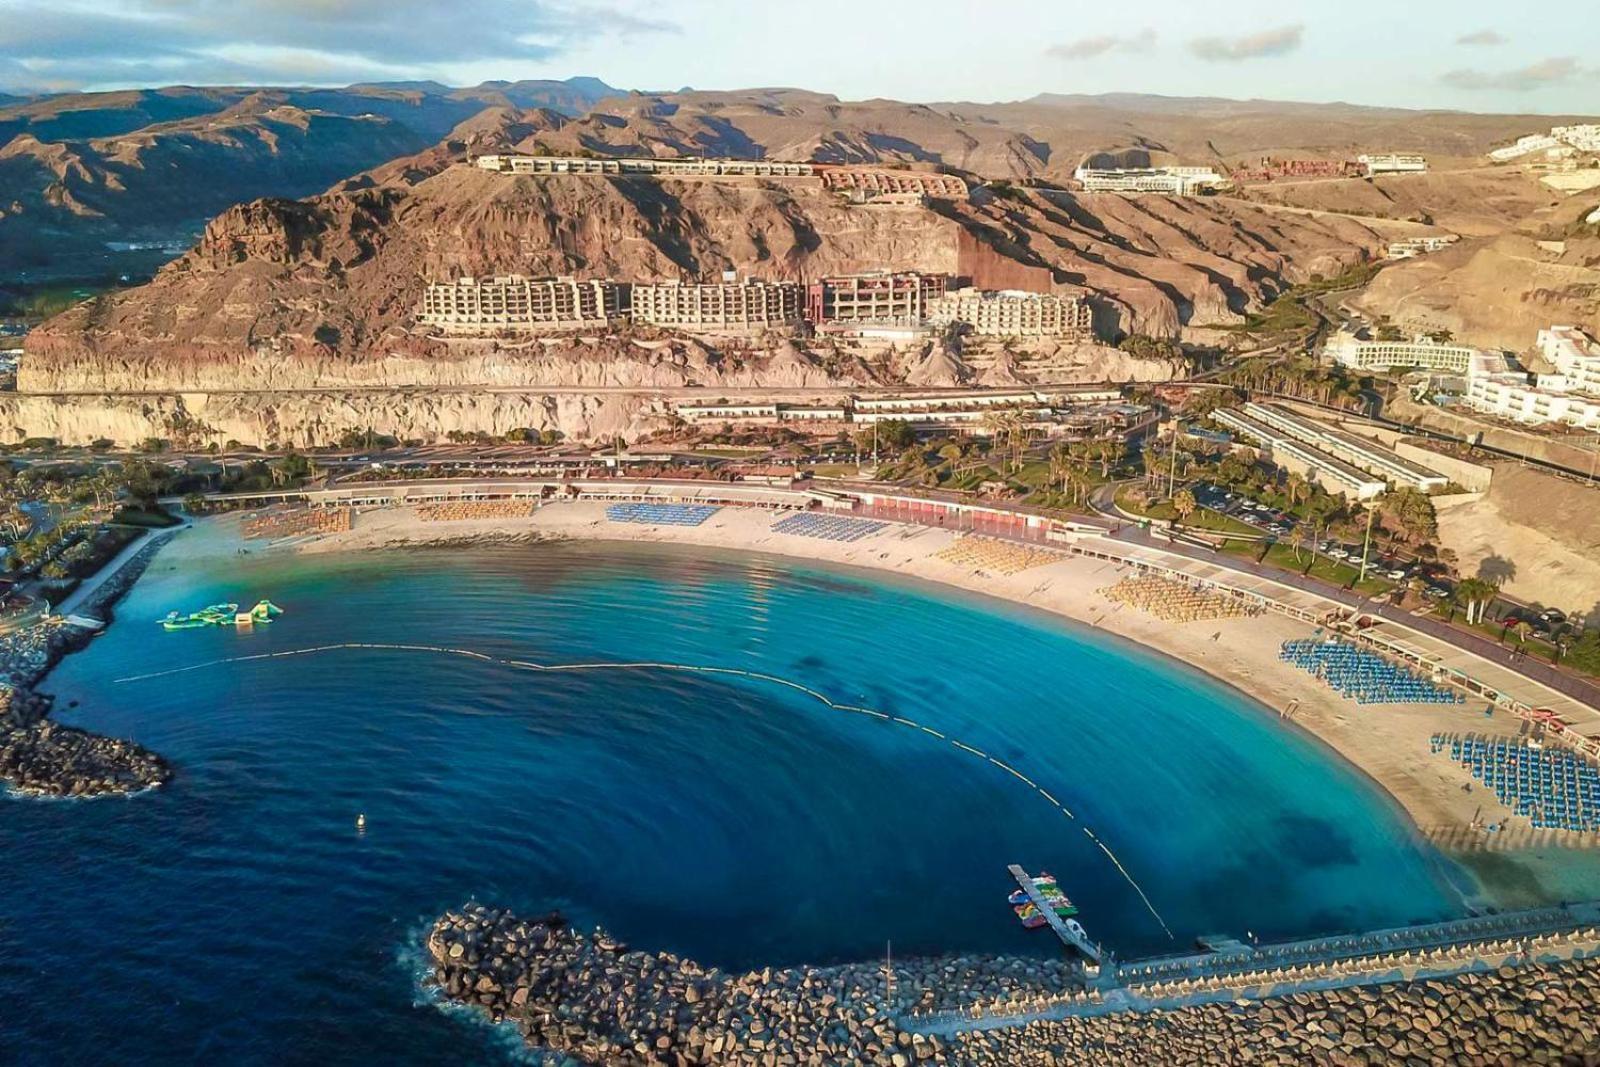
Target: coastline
x=1387, y=744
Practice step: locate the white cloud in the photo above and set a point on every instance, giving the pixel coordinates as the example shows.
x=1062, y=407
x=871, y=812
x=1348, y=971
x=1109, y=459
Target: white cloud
x=1267, y=43
x=1089, y=47
x=1557, y=70
x=1487, y=38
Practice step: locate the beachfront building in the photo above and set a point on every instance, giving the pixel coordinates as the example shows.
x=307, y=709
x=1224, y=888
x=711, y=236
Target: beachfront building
x=1423, y=353
x=515, y=302
x=1172, y=181
x=1010, y=313
x=881, y=298
x=748, y=306
x=1392, y=163
x=1350, y=448
x=1333, y=474
x=662, y=168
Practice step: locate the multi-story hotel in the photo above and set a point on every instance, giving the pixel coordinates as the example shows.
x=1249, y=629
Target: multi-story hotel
x=1511, y=397
x=1391, y=163
x=1349, y=351
x=1010, y=313
x=1285, y=450
x=1575, y=358
x=515, y=302
x=729, y=306
x=666, y=168
x=881, y=298
x=1174, y=181
x=1349, y=448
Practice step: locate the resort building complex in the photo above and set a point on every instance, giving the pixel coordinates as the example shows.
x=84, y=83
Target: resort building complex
x=665, y=168
x=1287, y=451
x=1570, y=396
x=1077, y=412
x=514, y=302
x=1010, y=313
x=743, y=306
x=1423, y=353
x=1173, y=181
x=1349, y=448
x=892, y=182
x=1560, y=142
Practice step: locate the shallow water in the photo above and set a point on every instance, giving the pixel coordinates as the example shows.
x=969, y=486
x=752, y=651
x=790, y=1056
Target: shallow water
x=237, y=914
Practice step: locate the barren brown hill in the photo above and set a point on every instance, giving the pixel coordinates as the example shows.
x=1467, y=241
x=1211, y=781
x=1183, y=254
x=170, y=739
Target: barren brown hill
x=1500, y=291
x=322, y=291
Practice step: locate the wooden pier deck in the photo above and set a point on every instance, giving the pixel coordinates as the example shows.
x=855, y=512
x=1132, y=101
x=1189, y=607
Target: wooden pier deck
x=1070, y=935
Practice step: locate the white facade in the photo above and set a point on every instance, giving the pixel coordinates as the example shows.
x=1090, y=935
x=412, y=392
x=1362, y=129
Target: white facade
x=1417, y=246
x=1173, y=181
x=1347, y=350
x=1575, y=358
x=1391, y=163
x=1009, y=313
x=1508, y=398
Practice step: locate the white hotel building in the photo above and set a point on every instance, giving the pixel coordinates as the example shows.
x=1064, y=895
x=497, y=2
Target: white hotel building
x=1349, y=351
x=1570, y=396
x=1173, y=181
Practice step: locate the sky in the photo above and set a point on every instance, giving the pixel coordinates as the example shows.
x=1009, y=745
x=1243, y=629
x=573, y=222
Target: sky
x=1465, y=54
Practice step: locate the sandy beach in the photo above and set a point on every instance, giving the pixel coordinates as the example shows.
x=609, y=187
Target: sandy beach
x=1389, y=743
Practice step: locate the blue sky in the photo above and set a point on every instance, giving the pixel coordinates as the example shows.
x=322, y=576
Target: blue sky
x=1468, y=54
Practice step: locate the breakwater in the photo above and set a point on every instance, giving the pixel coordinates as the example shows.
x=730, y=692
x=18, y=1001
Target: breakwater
x=591, y=998
x=39, y=757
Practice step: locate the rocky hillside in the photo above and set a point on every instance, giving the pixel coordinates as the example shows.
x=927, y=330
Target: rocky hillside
x=321, y=292
x=83, y=173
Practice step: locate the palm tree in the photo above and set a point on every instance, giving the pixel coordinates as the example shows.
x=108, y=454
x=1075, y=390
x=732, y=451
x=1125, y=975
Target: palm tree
x=1475, y=595
x=1184, y=503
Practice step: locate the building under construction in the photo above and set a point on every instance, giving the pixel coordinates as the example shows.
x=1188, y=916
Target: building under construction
x=718, y=307
x=515, y=302
x=883, y=298
x=880, y=182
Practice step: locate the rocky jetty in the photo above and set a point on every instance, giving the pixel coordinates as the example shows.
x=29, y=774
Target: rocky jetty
x=587, y=997
x=43, y=758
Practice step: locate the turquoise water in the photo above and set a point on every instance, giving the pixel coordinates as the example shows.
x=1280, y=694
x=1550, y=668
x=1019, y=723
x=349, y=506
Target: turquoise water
x=237, y=915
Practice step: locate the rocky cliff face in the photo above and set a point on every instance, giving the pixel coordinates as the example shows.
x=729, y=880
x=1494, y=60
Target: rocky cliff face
x=322, y=292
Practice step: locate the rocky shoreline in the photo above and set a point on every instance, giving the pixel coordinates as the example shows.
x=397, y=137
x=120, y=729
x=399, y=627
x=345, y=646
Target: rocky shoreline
x=39, y=757
x=592, y=999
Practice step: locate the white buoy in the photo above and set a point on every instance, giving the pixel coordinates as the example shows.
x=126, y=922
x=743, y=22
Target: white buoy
x=361, y=821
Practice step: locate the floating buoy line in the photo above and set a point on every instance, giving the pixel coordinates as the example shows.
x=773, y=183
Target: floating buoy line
x=681, y=668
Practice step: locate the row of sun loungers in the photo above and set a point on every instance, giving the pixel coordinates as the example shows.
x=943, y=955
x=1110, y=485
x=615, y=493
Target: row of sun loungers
x=462, y=510
x=1363, y=675
x=662, y=514
x=297, y=522
x=996, y=557
x=1176, y=601
x=827, y=527
x=1555, y=788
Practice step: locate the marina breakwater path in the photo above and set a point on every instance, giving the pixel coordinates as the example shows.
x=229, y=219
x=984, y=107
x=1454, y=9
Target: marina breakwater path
x=1232, y=972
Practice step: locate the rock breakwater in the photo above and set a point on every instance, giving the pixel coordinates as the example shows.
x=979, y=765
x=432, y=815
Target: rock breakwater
x=43, y=758
x=587, y=997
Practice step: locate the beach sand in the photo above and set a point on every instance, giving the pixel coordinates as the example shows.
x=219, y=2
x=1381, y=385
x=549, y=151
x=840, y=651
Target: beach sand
x=1389, y=743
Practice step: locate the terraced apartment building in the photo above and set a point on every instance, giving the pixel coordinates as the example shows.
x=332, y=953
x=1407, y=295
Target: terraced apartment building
x=728, y=306
x=1011, y=313
x=516, y=302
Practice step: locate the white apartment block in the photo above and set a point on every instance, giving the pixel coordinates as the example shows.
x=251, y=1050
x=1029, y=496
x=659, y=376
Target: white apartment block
x=666, y=168
x=1582, y=138
x=1509, y=398
x=514, y=302
x=1010, y=313
x=1418, y=246
x=1333, y=474
x=1347, y=350
x=748, y=306
x=1575, y=357
x=1392, y=163
x=1173, y=181
x=1353, y=449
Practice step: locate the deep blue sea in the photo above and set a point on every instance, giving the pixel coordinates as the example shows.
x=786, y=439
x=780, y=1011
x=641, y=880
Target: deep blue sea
x=237, y=916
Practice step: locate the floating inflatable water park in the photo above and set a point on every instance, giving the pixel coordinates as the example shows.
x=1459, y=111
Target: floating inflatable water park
x=222, y=615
